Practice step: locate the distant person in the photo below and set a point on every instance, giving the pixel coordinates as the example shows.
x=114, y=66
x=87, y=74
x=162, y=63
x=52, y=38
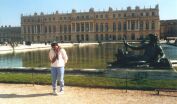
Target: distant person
x=58, y=59
x=45, y=43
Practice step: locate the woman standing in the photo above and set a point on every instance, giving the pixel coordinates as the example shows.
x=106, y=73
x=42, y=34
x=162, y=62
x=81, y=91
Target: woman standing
x=58, y=59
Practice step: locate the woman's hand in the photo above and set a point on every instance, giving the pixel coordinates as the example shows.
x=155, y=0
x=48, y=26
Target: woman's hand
x=54, y=59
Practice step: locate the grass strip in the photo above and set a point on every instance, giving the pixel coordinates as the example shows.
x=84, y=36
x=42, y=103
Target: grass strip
x=89, y=81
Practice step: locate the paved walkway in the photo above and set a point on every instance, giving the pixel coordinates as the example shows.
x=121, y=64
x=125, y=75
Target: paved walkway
x=41, y=94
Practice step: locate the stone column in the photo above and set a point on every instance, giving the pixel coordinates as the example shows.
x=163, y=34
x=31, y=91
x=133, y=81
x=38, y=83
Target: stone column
x=47, y=29
x=40, y=29
x=75, y=27
x=84, y=27
x=80, y=26
x=71, y=27
x=89, y=27
x=144, y=25
x=128, y=27
x=150, y=25
x=138, y=24
x=131, y=25
x=93, y=28
x=22, y=29
x=35, y=29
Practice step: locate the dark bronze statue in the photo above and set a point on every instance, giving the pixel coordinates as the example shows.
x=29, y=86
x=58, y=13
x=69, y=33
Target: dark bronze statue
x=153, y=55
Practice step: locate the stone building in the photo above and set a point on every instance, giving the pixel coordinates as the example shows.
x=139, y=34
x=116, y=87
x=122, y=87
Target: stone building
x=10, y=34
x=91, y=26
x=168, y=28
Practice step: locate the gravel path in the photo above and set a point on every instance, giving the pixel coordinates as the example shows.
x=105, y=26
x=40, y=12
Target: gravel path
x=41, y=94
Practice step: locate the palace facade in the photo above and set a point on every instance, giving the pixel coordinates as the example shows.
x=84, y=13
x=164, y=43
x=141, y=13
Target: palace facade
x=91, y=26
x=168, y=28
x=10, y=34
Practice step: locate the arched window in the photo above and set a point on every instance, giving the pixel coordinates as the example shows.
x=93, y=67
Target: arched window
x=82, y=37
x=32, y=29
x=54, y=29
x=24, y=29
x=82, y=27
x=73, y=27
x=61, y=38
x=65, y=37
x=61, y=28
x=69, y=28
x=106, y=37
x=65, y=28
x=45, y=29
x=141, y=25
x=28, y=29
x=87, y=27
x=141, y=37
x=38, y=29
x=101, y=27
x=96, y=27
x=114, y=27
x=69, y=37
x=125, y=36
x=50, y=30
x=147, y=25
x=101, y=37
x=153, y=25
x=106, y=27
x=38, y=38
x=56, y=38
x=113, y=37
x=119, y=26
x=125, y=26
x=91, y=26
x=133, y=36
x=78, y=38
x=132, y=25
x=119, y=37
x=87, y=37
x=96, y=37
x=77, y=27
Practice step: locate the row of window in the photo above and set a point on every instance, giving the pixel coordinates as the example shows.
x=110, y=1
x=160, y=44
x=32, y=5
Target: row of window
x=100, y=16
x=84, y=38
x=101, y=27
x=9, y=34
x=107, y=37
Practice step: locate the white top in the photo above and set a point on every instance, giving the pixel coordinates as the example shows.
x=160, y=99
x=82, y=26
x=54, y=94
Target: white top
x=62, y=58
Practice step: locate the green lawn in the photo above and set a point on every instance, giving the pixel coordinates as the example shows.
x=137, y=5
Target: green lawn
x=89, y=81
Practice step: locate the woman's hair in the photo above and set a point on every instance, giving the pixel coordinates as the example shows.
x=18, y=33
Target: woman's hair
x=54, y=44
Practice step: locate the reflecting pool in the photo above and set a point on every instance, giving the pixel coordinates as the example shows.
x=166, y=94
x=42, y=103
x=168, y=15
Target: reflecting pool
x=92, y=56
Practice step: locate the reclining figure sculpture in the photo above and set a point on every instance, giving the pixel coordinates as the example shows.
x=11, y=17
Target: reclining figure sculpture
x=153, y=55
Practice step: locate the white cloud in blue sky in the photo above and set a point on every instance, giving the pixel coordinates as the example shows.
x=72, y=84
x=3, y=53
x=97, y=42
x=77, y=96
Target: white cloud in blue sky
x=11, y=10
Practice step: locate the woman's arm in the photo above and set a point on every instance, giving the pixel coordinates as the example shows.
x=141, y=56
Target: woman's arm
x=64, y=55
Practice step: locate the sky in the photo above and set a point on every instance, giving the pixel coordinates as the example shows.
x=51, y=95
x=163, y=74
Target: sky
x=11, y=10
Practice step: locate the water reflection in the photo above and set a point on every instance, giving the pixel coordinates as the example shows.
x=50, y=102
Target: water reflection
x=10, y=60
x=170, y=51
x=35, y=59
x=93, y=56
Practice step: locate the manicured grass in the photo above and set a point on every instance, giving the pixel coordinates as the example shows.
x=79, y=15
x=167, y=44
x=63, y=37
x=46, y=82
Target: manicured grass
x=89, y=81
